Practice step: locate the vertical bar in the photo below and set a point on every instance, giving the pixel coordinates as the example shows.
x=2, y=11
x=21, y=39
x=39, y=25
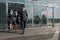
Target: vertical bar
x=41, y=16
x=32, y=13
x=6, y=13
x=1, y=16
x=53, y=16
x=41, y=13
x=47, y=15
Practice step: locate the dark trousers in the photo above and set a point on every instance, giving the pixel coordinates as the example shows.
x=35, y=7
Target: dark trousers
x=8, y=24
x=23, y=25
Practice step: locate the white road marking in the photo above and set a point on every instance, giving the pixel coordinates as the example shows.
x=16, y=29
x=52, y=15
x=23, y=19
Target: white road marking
x=55, y=37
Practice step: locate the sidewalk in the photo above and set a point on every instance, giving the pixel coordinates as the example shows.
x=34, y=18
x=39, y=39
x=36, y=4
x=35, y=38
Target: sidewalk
x=32, y=31
x=37, y=31
x=43, y=33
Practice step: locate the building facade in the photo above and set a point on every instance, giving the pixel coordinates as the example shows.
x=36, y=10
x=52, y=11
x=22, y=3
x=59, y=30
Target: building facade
x=34, y=10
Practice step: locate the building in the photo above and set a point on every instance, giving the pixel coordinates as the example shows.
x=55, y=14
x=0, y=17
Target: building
x=34, y=8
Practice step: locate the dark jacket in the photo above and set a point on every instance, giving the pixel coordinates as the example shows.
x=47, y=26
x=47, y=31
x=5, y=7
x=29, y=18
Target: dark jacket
x=44, y=19
x=11, y=17
x=23, y=15
x=16, y=18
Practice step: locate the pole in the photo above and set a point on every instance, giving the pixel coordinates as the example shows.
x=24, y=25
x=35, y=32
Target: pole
x=6, y=13
x=47, y=14
x=41, y=17
x=32, y=13
x=53, y=16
